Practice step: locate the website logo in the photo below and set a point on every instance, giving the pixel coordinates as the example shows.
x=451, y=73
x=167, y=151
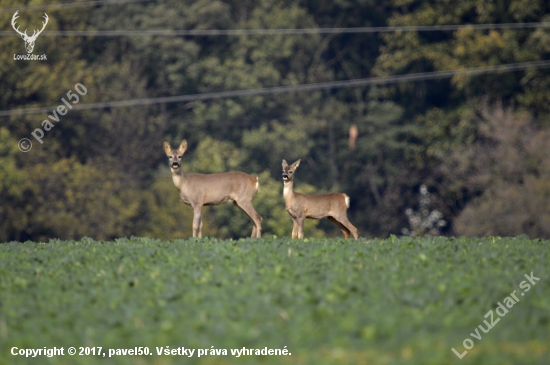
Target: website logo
x=29, y=40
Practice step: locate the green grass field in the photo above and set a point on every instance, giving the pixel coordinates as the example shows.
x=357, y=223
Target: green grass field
x=329, y=301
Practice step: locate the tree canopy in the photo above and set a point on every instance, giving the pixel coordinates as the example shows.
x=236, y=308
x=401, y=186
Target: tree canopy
x=478, y=144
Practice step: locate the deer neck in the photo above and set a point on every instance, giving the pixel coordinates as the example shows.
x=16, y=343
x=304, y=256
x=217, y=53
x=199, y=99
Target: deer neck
x=288, y=191
x=177, y=177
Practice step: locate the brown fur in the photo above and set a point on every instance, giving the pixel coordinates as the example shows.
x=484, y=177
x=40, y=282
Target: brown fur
x=197, y=190
x=301, y=206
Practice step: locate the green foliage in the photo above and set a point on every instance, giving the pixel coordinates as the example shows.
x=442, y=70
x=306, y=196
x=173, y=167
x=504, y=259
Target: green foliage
x=407, y=301
x=12, y=217
x=67, y=193
x=167, y=217
x=408, y=133
x=213, y=156
x=405, y=52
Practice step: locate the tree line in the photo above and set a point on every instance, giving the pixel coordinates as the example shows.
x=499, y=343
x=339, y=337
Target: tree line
x=477, y=145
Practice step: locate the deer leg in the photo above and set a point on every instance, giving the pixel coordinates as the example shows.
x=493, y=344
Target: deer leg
x=197, y=221
x=248, y=208
x=300, y=222
x=350, y=227
x=341, y=226
x=294, y=228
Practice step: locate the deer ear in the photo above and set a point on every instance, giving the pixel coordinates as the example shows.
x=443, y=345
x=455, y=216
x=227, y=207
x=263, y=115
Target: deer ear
x=285, y=164
x=183, y=147
x=295, y=164
x=166, y=147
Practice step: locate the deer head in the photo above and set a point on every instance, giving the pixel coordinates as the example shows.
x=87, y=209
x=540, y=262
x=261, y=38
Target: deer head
x=29, y=41
x=175, y=155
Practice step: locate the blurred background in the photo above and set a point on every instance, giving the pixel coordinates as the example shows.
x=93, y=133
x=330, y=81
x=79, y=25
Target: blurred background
x=466, y=154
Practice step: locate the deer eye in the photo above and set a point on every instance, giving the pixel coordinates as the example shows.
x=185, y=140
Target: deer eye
x=179, y=156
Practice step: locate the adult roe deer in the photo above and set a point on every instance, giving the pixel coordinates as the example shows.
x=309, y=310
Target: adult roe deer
x=197, y=190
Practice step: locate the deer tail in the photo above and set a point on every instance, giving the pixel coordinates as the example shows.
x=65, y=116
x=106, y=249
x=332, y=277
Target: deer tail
x=347, y=200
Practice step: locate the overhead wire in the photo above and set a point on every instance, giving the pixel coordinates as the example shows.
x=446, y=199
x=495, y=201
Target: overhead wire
x=278, y=89
x=229, y=32
x=260, y=32
x=296, y=88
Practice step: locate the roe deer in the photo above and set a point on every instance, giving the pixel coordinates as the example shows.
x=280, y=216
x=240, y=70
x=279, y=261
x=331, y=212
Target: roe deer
x=197, y=190
x=302, y=206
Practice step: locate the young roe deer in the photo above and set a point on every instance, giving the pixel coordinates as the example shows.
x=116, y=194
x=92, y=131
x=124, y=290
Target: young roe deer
x=302, y=206
x=197, y=190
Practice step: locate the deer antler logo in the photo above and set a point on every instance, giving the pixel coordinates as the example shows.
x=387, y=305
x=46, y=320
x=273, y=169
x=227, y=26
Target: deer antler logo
x=29, y=41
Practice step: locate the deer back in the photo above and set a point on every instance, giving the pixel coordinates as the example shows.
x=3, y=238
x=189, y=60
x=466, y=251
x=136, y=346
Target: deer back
x=213, y=189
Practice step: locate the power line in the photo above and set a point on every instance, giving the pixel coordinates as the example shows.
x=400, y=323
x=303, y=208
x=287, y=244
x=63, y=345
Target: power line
x=229, y=32
x=296, y=88
x=72, y=5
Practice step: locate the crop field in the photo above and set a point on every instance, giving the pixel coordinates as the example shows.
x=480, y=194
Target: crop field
x=277, y=301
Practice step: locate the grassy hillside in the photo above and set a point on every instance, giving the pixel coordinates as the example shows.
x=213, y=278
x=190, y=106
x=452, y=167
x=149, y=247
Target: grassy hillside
x=394, y=301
